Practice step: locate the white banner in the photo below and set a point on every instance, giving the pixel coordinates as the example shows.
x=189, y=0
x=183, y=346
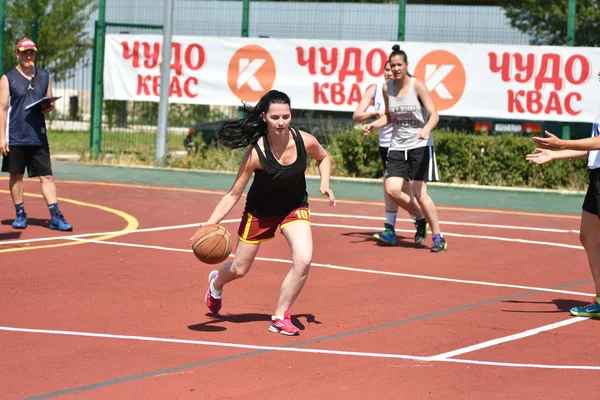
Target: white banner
x=494, y=81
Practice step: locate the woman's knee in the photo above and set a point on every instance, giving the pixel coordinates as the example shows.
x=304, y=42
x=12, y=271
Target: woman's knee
x=240, y=269
x=302, y=263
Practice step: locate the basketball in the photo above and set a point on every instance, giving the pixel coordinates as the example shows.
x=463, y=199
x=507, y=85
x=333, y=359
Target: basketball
x=211, y=244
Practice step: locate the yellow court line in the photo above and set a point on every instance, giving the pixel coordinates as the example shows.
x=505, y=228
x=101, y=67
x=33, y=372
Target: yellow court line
x=341, y=201
x=132, y=224
x=324, y=200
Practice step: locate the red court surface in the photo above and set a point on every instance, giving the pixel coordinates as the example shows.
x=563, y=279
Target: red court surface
x=115, y=309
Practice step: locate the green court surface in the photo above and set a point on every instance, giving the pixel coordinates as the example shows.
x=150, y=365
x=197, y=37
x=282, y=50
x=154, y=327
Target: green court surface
x=549, y=202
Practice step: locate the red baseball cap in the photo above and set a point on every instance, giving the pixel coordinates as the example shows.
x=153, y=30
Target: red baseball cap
x=26, y=44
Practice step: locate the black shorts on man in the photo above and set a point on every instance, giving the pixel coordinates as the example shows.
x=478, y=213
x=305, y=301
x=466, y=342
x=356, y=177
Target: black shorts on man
x=36, y=159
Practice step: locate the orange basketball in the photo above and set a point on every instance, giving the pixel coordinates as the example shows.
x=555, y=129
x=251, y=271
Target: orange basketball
x=211, y=244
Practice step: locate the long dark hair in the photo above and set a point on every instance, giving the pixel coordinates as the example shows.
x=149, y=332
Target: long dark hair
x=245, y=131
x=397, y=52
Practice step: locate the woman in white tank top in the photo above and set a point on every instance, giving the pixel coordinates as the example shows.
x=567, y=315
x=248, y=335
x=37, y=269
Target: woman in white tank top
x=363, y=112
x=410, y=107
x=590, y=215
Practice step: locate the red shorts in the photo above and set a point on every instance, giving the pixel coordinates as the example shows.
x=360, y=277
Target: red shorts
x=255, y=229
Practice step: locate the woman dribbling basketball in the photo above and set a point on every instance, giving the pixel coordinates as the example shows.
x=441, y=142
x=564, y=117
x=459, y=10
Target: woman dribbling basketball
x=277, y=198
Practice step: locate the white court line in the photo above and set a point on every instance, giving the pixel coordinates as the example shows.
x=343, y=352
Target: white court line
x=21, y=241
x=369, y=271
x=509, y=338
x=498, y=238
x=84, y=235
x=524, y=228
x=294, y=349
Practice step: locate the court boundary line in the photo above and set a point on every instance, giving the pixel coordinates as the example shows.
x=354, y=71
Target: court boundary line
x=508, y=338
x=329, y=215
x=428, y=359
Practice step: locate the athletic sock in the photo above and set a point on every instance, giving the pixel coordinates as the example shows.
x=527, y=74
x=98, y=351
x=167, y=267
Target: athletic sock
x=53, y=208
x=20, y=208
x=274, y=317
x=214, y=292
x=390, y=218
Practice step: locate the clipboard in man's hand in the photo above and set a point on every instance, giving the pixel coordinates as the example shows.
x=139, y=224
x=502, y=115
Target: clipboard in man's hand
x=42, y=103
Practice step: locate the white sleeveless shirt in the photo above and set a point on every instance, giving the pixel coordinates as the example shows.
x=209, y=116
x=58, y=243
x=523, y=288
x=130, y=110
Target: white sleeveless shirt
x=594, y=155
x=385, y=132
x=409, y=117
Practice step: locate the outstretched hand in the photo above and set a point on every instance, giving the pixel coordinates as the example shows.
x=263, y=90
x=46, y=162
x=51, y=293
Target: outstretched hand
x=541, y=157
x=551, y=141
x=325, y=191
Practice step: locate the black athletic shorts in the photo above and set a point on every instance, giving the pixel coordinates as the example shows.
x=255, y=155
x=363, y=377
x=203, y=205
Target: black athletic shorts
x=591, y=203
x=416, y=164
x=35, y=158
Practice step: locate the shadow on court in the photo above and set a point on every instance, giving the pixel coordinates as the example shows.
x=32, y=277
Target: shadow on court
x=405, y=242
x=10, y=235
x=215, y=325
x=562, y=305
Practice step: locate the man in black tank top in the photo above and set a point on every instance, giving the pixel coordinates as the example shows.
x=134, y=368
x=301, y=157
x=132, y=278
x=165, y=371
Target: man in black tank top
x=277, y=157
x=23, y=141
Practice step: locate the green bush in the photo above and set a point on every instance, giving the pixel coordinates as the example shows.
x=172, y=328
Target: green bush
x=465, y=158
x=461, y=157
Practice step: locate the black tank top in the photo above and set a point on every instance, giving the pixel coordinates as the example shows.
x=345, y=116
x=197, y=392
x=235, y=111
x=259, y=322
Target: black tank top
x=27, y=127
x=278, y=189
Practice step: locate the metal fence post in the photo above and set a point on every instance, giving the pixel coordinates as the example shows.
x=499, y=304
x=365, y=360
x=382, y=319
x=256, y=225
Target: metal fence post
x=98, y=80
x=165, y=84
x=2, y=22
x=34, y=30
x=571, y=20
x=401, y=20
x=245, y=17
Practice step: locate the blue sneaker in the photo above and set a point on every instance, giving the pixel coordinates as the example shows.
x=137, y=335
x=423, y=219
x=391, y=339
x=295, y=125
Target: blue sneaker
x=21, y=221
x=439, y=244
x=388, y=236
x=58, y=223
x=592, y=310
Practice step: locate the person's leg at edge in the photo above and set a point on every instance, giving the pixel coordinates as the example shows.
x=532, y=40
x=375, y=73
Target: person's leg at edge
x=589, y=235
x=430, y=211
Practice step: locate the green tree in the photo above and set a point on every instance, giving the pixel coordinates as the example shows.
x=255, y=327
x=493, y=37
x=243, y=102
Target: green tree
x=546, y=21
x=62, y=40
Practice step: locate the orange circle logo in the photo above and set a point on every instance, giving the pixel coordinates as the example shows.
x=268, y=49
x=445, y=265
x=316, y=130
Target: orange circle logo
x=251, y=73
x=445, y=77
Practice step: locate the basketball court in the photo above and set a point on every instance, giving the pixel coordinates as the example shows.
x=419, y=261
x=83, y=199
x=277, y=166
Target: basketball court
x=116, y=308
